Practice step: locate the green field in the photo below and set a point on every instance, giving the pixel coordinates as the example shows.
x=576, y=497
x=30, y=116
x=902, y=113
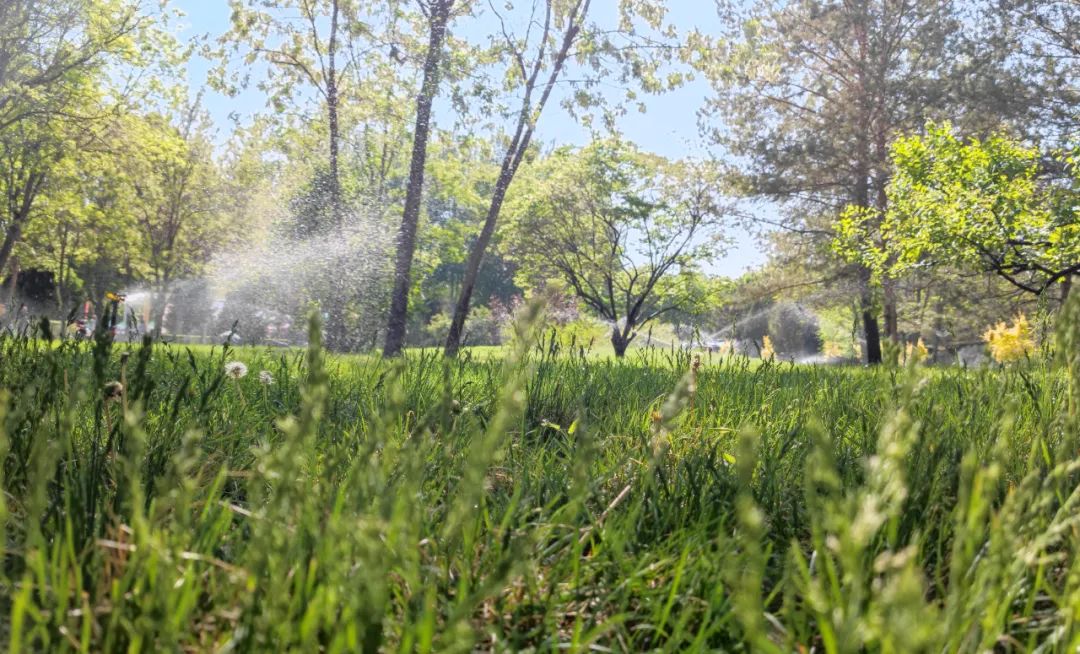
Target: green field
x=538, y=500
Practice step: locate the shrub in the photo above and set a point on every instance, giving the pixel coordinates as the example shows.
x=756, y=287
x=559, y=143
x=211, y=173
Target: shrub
x=1008, y=343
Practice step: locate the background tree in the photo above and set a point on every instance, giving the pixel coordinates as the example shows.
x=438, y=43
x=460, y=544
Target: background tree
x=558, y=33
x=624, y=230
x=177, y=197
x=48, y=49
x=57, y=89
x=28, y=150
x=971, y=204
x=461, y=174
x=810, y=93
x=323, y=45
x=1044, y=51
x=438, y=14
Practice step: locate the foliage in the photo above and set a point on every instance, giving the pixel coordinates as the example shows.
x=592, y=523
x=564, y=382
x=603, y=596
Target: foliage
x=1010, y=343
x=67, y=69
x=534, y=60
x=482, y=328
x=623, y=230
x=974, y=204
x=176, y=193
x=809, y=95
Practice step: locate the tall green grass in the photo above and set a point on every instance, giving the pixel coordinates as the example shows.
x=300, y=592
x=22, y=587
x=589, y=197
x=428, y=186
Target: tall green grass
x=544, y=501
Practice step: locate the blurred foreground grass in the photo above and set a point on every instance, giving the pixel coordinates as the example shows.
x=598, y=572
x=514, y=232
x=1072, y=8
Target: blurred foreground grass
x=536, y=500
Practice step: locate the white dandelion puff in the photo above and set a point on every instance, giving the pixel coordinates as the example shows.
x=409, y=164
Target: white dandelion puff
x=266, y=378
x=113, y=390
x=235, y=369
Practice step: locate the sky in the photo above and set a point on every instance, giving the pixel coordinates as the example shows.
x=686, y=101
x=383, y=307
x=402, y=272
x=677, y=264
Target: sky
x=668, y=128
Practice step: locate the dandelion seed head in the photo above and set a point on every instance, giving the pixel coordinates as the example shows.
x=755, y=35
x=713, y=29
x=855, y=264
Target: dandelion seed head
x=235, y=369
x=113, y=390
x=265, y=377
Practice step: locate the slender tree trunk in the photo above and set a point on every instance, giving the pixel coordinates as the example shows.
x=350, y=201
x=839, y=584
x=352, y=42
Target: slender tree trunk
x=159, y=317
x=871, y=330
x=866, y=81
x=13, y=286
x=60, y=275
x=332, y=119
x=476, y=258
x=519, y=144
x=882, y=172
x=334, y=330
x=11, y=236
x=406, y=244
x=890, y=314
x=19, y=214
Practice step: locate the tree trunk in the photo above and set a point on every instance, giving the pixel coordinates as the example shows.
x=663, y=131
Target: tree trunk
x=11, y=237
x=332, y=118
x=19, y=213
x=476, y=258
x=881, y=204
x=59, y=286
x=334, y=330
x=871, y=331
x=890, y=314
x=519, y=144
x=159, y=319
x=13, y=286
x=406, y=245
x=620, y=342
x=861, y=198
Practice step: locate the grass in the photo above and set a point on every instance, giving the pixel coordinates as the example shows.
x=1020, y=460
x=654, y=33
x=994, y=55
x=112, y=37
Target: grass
x=540, y=500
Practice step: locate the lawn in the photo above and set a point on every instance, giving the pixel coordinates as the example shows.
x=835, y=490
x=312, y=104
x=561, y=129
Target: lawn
x=531, y=499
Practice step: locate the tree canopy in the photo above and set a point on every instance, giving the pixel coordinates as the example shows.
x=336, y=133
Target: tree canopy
x=986, y=204
x=908, y=166
x=624, y=230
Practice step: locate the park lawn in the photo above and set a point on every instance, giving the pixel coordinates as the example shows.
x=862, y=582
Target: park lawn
x=603, y=350
x=514, y=500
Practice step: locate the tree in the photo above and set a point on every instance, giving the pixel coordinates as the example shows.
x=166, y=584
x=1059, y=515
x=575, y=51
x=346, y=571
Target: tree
x=177, y=198
x=1039, y=37
x=55, y=93
x=624, y=230
x=812, y=92
x=461, y=174
x=437, y=13
x=537, y=62
x=27, y=150
x=1057, y=23
x=47, y=49
x=972, y=204
x=312, y=43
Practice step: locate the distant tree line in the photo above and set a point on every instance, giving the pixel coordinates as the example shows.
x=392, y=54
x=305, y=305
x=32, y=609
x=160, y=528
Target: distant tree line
x=917, y=158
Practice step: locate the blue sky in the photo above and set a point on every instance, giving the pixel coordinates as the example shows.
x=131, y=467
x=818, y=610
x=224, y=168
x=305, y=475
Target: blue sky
x=669, y=126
